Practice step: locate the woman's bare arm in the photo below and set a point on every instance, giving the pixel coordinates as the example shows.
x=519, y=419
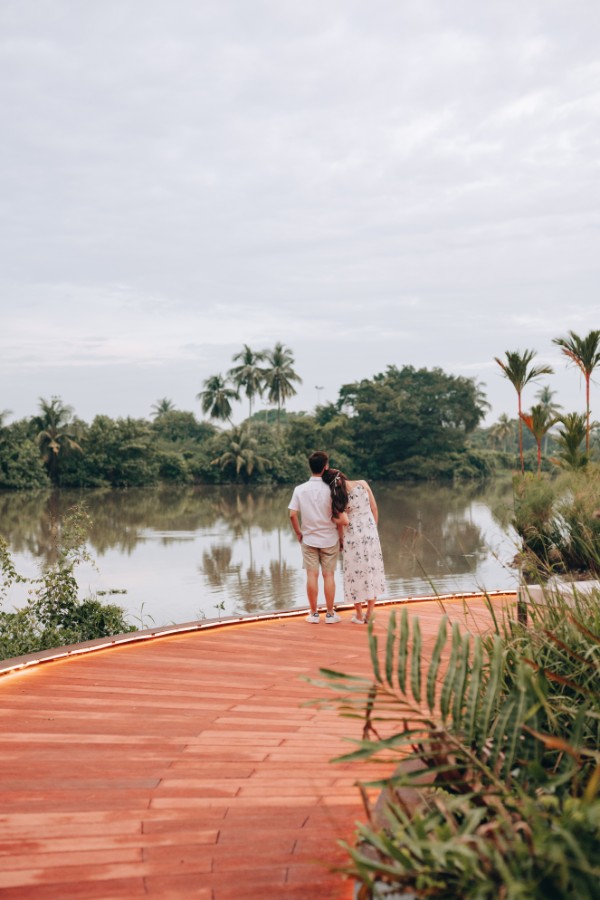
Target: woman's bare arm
x=372, y=501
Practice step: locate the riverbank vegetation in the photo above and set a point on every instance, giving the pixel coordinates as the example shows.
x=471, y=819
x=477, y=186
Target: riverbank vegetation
x=558, y=522
x=55, y=614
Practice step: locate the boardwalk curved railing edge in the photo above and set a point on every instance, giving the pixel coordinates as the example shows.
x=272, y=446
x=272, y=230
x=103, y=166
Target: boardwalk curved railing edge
x=28, y=660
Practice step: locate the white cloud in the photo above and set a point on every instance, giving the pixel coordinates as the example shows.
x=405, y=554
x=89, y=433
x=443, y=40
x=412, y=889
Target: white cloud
x=412, y=182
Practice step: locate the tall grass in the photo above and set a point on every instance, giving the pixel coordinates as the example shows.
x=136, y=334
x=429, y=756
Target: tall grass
x=558, y=521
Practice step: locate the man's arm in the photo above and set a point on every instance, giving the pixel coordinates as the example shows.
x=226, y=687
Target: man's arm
x=295, y=523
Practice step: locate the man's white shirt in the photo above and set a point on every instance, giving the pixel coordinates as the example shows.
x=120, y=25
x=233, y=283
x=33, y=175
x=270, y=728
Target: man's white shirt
x=313, y=501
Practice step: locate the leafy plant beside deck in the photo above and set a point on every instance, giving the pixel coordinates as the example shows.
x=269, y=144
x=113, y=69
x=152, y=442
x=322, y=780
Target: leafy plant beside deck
x=496, y=741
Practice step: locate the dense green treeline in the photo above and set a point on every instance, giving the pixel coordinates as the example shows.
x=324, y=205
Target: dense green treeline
x=404, y=423
x=401, y=424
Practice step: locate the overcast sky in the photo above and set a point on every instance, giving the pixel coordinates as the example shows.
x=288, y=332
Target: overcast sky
x=369, y=183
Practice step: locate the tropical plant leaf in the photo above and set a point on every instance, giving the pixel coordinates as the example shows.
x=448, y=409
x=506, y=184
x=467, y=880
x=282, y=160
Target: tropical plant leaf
x=460, y=682
x=474, y=691
x=491, y=693
x=402, y=661
x=373, y=649
x=499, y=731
x=585, y=631
x=553, y=742
x=569, y=651
x=389, y=650
x=415, y=662
x=446, y=693
x=514, y=725
x=558, y=679
x=334, y=675
x=434, y=665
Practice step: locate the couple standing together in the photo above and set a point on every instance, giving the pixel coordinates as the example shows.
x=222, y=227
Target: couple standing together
x=330, y=513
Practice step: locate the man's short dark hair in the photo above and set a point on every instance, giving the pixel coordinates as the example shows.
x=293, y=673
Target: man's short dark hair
x=318, y=461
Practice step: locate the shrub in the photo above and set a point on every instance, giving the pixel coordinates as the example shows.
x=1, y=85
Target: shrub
x=54, y=615
x=559, y=522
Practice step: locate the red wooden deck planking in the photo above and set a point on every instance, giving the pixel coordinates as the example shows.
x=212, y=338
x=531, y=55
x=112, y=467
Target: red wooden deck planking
x=188, y=766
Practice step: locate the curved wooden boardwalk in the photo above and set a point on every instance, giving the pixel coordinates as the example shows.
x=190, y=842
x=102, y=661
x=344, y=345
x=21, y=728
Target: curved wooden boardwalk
x=187, y=766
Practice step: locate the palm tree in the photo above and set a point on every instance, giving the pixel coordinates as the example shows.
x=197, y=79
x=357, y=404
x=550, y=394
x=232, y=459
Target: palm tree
x=162, y=406
x=585, y=354
x=241, y=453
x=570, y=438
x=481, y=401
x=519, y=373
x=280, y=375
x=216, y=398
x=545, y=395
x=502, y=430
x=56, y=433
x=539, y=422
x=248, y=374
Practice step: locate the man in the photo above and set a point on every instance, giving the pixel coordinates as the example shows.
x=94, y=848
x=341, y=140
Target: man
x=310, y=515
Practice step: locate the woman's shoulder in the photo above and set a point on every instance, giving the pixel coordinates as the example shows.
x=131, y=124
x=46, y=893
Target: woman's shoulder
x=351, y=484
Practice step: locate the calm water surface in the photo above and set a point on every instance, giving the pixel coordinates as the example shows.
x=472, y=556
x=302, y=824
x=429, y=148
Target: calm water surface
x=187, y=553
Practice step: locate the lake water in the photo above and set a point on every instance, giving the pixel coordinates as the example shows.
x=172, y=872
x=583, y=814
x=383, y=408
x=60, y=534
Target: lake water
x=187, y=553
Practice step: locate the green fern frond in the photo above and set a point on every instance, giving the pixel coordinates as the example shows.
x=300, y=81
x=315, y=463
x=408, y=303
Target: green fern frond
x=434, y=665
x=460, y=682
x=447, y=686
x=389, y=649
x=415, y=662
x=473, y=699
x=402, y=661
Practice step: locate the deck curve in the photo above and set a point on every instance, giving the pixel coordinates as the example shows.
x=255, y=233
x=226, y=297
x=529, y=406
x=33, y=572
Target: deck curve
x=187, y=765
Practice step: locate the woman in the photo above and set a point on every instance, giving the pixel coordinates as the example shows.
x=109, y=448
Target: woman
x=355, y=510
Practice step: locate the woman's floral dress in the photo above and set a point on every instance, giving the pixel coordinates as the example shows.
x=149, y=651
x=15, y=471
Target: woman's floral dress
x=364, y=578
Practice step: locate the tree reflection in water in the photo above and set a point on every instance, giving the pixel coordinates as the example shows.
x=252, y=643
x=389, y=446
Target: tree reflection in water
x=216, y=566
x=179, y=551
x=433, y=536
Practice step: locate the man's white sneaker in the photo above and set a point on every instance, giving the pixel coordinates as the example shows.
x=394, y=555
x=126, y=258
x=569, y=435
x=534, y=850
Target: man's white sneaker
x=356, y=621
x=313, y=617
x=332, y=618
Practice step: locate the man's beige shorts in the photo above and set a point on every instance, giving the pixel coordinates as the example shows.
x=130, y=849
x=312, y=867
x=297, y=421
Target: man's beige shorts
x=326, y=557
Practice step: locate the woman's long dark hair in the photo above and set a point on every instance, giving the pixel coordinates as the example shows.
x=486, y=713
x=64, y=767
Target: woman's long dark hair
x=339, y=489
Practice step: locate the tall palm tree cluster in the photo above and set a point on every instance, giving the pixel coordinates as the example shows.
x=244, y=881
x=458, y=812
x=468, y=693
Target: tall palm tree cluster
x=55, y=432
x=257, y=373
x=584, y=353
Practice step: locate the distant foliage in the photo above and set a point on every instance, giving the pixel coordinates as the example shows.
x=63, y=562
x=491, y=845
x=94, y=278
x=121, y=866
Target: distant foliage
x=401, y=424
x=21, y=465
x=411, y=423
